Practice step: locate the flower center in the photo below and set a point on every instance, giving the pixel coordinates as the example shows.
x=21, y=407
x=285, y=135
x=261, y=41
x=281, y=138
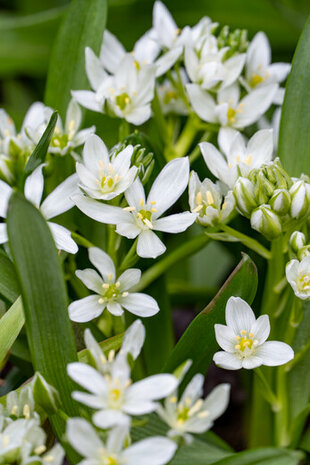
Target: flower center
x=60, y=141
x=109, y=459
x=144, y=215
x=122, y=101
x=303, y=282
x=107, y=178
x=170, y=95
x=245, y=344
x=231, y=115
x=203, y=203
x=256, y=79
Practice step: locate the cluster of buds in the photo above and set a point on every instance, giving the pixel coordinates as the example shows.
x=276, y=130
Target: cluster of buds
x=272, y=199
x=236, y=40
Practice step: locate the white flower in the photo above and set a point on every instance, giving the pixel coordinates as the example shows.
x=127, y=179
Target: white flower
x=142, y=216
x=206, y=199
x=300, y=198
x=114, y=395
x=208, y=66
x=229, y=109
x=132, y=344
x=191, y=414
x=259, y=72
x=145, y=51
x=56, y=202
x=151, y=451
x=111, y=292
x=240, y=157
x=101, y=177
x=298, y=275
x=126, y=94
x=243, y=340
x=170, y=98
x=65, y=138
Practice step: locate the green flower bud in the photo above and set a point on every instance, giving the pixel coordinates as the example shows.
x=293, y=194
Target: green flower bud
x=266, y=221
x=244, y=195
x=280, y=202
x=303, y=252
x=297, y=241
x=45, y=395
x=300, y=200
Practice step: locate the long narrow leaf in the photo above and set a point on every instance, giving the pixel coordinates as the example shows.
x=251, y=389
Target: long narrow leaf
x=9, y=288
x=83, y=26
x=10, y=325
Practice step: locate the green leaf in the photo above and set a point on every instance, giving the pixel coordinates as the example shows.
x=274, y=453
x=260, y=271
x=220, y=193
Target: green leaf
x=83, y=26
x=263, y=456
x=200, y=452
x=38, y=155
x=45, y=302
x=10, y=325
x=294, y=137
x=198, y=343
x=9, y=288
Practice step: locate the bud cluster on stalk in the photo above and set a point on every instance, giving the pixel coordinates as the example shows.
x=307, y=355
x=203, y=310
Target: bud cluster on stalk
x=271, y=199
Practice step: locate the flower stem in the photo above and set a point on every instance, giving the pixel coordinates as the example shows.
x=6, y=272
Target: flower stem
x=131, y=258
x=80, y=240
x=181, y=253
x=247, y=241
x=185, y=140
x=268, y=392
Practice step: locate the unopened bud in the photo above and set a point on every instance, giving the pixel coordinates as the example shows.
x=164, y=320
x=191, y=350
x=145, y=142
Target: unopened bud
x=303, y=252
x=45, y=395
x=300, y=201
x=266, y=221
x=244, y=195
x=280, y=202
x=297, y=241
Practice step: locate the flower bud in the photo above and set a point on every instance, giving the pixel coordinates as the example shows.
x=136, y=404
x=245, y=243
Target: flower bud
x=303, y=252
x=300, y=201
x=244, y=195
x=266, y=221
x=297, y=241
x=280, y=202
x=45, y=395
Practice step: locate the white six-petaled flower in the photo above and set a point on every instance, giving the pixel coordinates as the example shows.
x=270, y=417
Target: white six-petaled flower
x=111, y=292
x=102, y=177
x=298, y=275
x=243, y=340
x=142, y=216
x=191, y=414
x=82, y=436
x=114, y=395
x=57, y=202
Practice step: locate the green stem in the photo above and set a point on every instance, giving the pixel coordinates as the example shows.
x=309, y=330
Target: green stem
x=267, y=391
x=196, y=152
x=112, y=237
x=247, y=241
x=123, y=130
x=181, y=253
x=185, y=140
x=80, y=240
x=160, y=119
x=131, y=258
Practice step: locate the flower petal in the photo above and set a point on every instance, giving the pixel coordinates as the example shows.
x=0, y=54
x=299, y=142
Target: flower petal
x=152, y=388
x=135, y=195
x=83, y=437
x=134, y=339
x=3, y=233
x=109, y=418
x=129, y=230
x=194, y=389
x=216, y=163
x=87, y=377
x=34, y=186
x=115, y=308
x=175, y=223
x=153, y=451
x=73, y=116
x=62, y=238
x=85, y=309
x=274, y=353
x=100, y=211
x=169, y=185
x=261, y=329
x=140, y=304
x=227, y=361
x=5, y=194
x=239, y=315
x=94, y=69
x=103, y=262
x=149, y=245
x=202, y=103
x=254, y=105
x=217, y=401
x=225, y=337
x=59, y=201
x=129, y=278
x=252, y=362
x=91, y=279
x=87, y=99
x=112, y=52
x=95, y=153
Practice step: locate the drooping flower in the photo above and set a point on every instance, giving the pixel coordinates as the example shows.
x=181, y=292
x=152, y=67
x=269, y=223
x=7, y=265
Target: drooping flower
x=259, y=71
x=142, y=216
x=110, y=292
x=114, y=395
x=82, y=436
x=243, y=340
x=206, y=199
x=102, y=177
x=191, y=414
x=229, y=110
x=240, y=157
x=298, y=275
x=126, y=94
x=57, y=202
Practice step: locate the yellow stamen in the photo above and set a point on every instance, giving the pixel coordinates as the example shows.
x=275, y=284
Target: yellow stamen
x=141, y=202
x=210, y=198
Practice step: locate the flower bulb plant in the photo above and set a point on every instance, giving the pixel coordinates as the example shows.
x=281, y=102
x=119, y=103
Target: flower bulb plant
x=125, y=199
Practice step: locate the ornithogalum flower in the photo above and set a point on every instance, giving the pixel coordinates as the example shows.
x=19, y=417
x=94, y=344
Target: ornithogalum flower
x=101, y=176
x=114, y=395
x=240, y=157
x=298, y=275
x=142, y=216
x=83, y=437
x=191, y=414
x=229, y=110
x=112, y=293
x=243, y=340
x=57, y=202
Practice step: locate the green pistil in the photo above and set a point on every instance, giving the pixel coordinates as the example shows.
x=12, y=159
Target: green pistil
x=122, y=101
